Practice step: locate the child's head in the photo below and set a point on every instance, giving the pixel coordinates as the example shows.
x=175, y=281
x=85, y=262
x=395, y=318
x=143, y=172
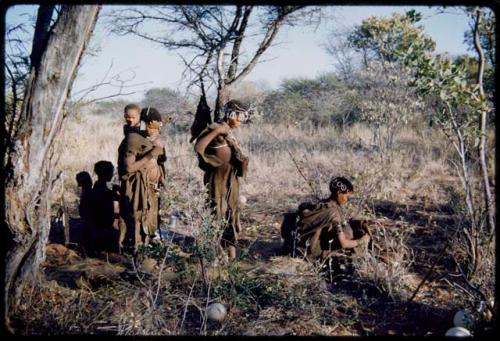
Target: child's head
x=104, y=170
x=235, y=112
x=132, y=115
x=340, y=189
x=84, y=180
x=153, y=120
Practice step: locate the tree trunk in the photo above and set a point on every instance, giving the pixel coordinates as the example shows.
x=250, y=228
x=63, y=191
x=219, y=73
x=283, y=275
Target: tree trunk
x=223, y=95
x=490, y=209
x=29, y=171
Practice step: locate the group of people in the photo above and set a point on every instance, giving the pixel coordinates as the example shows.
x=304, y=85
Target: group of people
x=119, y=215
x=127, y=214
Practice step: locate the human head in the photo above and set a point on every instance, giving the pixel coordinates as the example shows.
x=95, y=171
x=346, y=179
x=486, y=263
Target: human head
x=104, y=170
x=340, y=189
x=84, y=180
x=235, y=112
x=132, y=116
x=153, y=120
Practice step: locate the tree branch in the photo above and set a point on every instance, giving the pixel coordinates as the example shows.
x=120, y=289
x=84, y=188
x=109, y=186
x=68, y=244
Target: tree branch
x=271, y=32
x=240, y=33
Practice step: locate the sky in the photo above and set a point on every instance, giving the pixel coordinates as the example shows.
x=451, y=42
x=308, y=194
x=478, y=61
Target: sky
x=298, y=51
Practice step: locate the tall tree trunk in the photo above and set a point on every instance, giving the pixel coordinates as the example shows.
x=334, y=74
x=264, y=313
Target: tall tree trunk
x=223, y=95
x=28, y=178
x=490, y=209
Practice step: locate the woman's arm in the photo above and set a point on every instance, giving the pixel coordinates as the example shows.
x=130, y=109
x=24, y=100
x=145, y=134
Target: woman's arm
x=347, y=243
x=133, y=165
x=202, y=143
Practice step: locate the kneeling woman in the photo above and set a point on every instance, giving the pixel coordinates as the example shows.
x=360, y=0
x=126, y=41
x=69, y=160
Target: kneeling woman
x=321, y=227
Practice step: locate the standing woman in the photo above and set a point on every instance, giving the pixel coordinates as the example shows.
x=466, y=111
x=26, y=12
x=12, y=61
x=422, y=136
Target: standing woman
x=223, y=162
x=140, y=173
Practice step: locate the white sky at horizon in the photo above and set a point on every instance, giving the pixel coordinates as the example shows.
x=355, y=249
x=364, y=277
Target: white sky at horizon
x=298, y=51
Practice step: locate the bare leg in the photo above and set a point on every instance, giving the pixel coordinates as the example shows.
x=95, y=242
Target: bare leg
x=231, y=251
x=65, y=221
x=123, y=231
x=137, y=236
x=228, y=248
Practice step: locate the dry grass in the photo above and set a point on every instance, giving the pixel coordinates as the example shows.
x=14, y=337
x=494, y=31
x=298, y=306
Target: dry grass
x=405, y=192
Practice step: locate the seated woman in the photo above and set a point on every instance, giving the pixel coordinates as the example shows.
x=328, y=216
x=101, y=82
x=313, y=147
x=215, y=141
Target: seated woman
x=319, y=229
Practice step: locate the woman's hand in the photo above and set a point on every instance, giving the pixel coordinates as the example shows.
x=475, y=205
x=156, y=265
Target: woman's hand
x=365, y=239
x=156, y=151
x=223, y=128
x=217, y=129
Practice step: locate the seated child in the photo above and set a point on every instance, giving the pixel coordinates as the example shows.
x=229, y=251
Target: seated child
x=107, y=232
x=84, y=180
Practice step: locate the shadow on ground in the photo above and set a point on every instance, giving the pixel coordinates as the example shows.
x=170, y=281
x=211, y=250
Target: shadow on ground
x=433, y=226
x=262, y=248
x=380, y=314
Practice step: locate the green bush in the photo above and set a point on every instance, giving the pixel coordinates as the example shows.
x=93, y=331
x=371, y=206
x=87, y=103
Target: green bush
x=325, y=100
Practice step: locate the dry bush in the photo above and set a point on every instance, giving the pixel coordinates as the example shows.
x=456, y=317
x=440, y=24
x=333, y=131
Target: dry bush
x=388, y=265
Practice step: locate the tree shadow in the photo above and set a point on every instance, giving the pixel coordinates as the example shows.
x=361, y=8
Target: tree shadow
x=417, y=214
x=381, y=314
x=433, y=226
x=262, y=249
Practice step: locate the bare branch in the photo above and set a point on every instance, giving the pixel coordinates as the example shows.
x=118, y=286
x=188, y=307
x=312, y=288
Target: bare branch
x=237, y=42
x=204, y=32
x=270, y=34
x=115, y=81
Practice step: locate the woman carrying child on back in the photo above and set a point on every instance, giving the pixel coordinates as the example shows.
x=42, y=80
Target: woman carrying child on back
x=322, y=228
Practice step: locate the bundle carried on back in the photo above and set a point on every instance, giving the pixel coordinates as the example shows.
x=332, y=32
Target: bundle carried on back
x=202, y=118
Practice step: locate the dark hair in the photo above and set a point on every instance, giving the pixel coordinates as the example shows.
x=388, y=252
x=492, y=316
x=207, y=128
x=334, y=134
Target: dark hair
x=84, y=180
x=237, y=105
x=234, y=105
x=130, y=107
x=104, y=170
x=150, y=114
x=340, y=184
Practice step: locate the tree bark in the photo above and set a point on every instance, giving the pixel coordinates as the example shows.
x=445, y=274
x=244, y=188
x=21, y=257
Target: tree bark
x=41, y=33
x=490, y=209
x=28, y=178
x=223, y=95
x=235, y=53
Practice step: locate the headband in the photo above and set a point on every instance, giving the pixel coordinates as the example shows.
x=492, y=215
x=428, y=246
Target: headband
x=341, y=186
